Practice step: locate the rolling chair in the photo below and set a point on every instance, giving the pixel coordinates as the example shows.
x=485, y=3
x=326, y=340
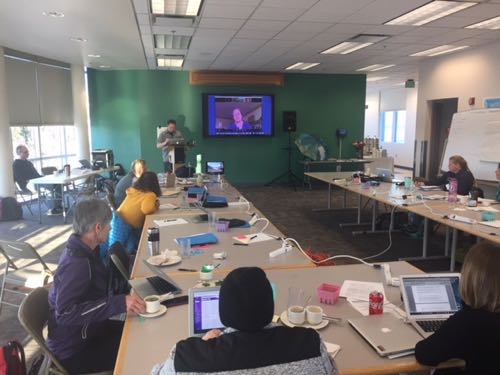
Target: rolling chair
x=33, y=315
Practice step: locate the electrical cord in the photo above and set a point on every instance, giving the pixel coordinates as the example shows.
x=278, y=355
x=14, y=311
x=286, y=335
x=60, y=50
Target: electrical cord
x=265, y=226
x=390, y=236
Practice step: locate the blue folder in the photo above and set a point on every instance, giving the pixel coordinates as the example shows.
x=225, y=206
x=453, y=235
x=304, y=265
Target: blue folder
x=200, y=239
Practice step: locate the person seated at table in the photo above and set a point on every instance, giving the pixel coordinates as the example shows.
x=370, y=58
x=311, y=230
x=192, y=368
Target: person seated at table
x=137, y=168
x=80, y=334
x=24, y=170
x=473, y=333
x=250, y=344
x=141, y=200
x=459, y=170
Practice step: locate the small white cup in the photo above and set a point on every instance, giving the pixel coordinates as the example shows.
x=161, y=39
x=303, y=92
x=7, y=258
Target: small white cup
x=206, y=275
x=314, y=314
x=296, y=314
x=152, y=304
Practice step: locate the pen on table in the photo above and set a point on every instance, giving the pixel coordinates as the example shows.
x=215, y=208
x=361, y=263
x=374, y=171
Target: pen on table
x=251, y=238
x=186, y=270
x=240, y=244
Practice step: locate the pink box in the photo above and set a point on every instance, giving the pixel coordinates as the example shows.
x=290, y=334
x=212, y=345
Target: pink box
x=328, y=293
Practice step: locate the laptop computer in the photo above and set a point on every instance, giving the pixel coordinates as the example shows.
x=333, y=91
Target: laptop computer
x=159, y=284
x=430, y=299
x=384, y=175
x=389, y=336
x=86, y=164
x=204, y=310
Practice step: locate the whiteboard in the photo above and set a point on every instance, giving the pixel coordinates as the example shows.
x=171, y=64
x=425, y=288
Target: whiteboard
x=475, y=135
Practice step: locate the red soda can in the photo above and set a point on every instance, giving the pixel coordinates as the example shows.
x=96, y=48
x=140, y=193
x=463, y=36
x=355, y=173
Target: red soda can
x=376, y=303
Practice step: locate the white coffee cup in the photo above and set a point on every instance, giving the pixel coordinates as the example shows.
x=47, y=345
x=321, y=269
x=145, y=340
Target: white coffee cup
x=152, y=304
x=314, y=314
x=296, y=314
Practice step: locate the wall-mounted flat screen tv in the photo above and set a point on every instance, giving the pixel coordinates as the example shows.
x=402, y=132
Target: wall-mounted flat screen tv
x=238, y=115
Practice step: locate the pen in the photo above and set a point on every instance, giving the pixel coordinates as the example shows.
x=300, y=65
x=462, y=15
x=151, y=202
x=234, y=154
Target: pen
x=186, y=270
x=240, y=244
x=251, y=238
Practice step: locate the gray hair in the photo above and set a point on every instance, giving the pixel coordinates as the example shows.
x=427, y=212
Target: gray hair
x=88, y=213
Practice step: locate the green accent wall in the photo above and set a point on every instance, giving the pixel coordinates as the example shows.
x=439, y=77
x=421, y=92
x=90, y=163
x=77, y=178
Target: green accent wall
x=127, y=106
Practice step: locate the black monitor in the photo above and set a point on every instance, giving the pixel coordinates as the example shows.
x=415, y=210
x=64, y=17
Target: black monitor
x=214, y=167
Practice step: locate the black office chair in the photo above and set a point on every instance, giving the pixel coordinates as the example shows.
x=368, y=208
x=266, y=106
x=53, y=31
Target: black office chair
x=119, y=268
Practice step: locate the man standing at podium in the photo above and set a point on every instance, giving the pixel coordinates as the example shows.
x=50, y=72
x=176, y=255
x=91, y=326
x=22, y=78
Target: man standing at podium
x=166, y=140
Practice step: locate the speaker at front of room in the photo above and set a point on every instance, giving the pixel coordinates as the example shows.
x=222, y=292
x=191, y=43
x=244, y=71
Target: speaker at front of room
x=289, y=121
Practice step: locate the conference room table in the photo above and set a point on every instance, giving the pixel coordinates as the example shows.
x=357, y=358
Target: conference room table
x=340, y=165
x=65, y=181
x=146, y=342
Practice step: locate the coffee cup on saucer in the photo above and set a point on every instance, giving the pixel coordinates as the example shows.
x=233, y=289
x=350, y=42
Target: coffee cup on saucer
x=152, y=304
x=314, y=314
x=296, y=314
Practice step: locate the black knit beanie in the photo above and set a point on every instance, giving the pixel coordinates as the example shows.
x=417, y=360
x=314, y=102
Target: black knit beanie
x=246, y=300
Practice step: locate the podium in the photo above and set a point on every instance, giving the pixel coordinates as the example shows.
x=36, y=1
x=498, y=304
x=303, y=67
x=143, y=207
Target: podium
x=177, y=155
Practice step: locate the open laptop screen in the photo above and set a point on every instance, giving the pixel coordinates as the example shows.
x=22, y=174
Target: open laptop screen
x=431, y=295
x=204, y=310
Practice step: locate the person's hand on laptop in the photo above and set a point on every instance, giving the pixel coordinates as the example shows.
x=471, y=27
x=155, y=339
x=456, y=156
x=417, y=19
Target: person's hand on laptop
x=212, y=334
x=135, y=304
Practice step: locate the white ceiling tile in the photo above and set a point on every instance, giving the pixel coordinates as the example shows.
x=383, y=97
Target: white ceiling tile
x=265, y=25
x=307, y=27
x=329, y=11
x=255, y=34
x=232, y=2
x=221, y=23
x=195, y=65
x=277, y=14
x=491, y=35
x=215, y=33
x=380, y=11
x=425, y=32
x=388, y=29
x=141, y=6
x=347, y=29
x=282, y=43
x=299, y=36
x=453, y=22
x=240, y=44
x=303, y=4
x=227, y=11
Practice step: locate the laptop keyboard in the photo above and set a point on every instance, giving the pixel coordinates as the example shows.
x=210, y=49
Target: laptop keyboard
x=430, y=325
x=161, y=286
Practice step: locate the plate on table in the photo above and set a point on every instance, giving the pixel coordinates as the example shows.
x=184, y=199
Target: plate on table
x=160, y=312
x=286, y=322
x=163, y=260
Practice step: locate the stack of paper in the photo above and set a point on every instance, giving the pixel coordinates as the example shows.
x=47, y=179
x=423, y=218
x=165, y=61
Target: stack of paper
x=168, y=222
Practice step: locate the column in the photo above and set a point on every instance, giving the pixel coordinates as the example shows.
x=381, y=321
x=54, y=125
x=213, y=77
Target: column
x=80, y=111
x=6, y=154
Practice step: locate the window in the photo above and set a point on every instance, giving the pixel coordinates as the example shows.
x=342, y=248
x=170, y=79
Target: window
x=392, y=126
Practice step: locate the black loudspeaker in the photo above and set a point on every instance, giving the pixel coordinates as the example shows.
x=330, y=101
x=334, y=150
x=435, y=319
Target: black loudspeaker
x=289, y=121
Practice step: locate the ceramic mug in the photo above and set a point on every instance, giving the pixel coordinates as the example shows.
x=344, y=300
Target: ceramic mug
x=152, y=304
x=296, y=314
x=314, y=314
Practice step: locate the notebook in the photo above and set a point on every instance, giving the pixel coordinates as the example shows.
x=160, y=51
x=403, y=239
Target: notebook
x=204, y=310
x=389, y=336
x=200, y=239
x=430, y=299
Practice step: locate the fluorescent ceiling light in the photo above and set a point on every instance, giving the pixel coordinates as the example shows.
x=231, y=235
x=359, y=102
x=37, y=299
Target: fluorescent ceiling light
x=53, y=14
x=104, y=66
x=430, y=12
x=439, y=50
x=491, y=24
x=172, y=41
x=302, y=66
x=374, y=79
x=78, y=39
x=166, y=61
x=189, y=8
x=345, y=47
x=94, y=55
x=374, y=68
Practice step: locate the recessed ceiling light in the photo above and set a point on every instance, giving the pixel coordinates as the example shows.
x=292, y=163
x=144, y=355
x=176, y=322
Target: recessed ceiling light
x=491, y=24
x=104, y=66
x=430, y=12
x=301, y=66
x=172, y=41
x=53, y=14
x=355, y=43
x=94, y=55
x=439, y=50
x=170, y=61
x=77, y=39
x=374, y=68
x=374, y=79
x=188, y=8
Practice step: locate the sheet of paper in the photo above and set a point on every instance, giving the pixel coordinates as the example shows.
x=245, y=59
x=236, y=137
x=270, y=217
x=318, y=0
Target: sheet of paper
x=360, y=290
x=494, y=224
x=253, y=238
x=168, y=222
x=168, y=206
x=429, y=187
x=487, y=208
x=168, y=192
x=332, y=348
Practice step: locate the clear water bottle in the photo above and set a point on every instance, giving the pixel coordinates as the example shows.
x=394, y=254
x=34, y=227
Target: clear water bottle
x=452, y=190
x=154, y=241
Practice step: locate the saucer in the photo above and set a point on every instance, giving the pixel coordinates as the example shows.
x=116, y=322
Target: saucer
x=163, y=261
x=285, y=321
x=160, y=312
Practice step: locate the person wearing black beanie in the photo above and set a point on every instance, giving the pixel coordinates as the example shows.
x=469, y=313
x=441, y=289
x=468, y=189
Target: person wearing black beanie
x=251, y=344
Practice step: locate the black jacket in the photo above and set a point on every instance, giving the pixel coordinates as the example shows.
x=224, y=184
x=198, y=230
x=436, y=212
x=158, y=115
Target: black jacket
x=464, y=178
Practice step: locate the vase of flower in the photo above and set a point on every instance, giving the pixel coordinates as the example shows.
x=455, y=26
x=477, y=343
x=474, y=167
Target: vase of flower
x=359, y=145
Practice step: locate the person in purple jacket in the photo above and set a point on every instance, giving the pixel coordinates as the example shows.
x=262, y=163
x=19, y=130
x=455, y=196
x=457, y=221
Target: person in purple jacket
x=81, y=335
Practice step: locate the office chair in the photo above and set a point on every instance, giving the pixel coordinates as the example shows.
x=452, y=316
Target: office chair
x=31, y=274
x=33, y=315
x=121, y=262
x=22, y=194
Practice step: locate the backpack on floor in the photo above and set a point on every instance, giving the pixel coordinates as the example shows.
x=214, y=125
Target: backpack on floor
x=10, y=209
x=12, y=361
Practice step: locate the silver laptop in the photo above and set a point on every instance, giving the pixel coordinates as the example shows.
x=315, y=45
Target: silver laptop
x=385, y=175
x=430, y=299
x=146, y=286
x=389, y=336
x=204, y=310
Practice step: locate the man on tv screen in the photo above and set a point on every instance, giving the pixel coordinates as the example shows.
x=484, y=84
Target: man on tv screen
x=238, y=123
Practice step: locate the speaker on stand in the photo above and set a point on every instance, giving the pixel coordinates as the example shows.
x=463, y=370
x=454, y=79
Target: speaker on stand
x=289, y=126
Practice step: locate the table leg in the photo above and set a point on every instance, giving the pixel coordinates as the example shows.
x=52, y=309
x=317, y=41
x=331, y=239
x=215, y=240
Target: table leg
x=345, y=199
x=39, y=204
x=426, y=237
x=454, y=239
x=329, y=196
x=63, y=204
x=447, y=242
x=358, y=221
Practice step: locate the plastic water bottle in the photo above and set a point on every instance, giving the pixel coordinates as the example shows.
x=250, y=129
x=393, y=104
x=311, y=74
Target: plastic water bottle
x=452, y=190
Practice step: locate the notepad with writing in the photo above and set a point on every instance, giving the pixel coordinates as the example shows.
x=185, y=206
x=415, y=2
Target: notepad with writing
x=252, y=238
x=200, y=239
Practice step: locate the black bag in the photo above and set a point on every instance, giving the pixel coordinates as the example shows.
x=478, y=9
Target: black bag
x=12, y=360
x=184, y=172
x=10, y=209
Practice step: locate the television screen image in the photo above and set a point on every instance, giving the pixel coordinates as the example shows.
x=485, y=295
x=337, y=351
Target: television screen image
x=215, y=167
x=238, y=115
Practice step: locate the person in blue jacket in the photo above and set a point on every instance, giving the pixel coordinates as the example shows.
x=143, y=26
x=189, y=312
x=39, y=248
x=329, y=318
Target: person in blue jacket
x=80, y=332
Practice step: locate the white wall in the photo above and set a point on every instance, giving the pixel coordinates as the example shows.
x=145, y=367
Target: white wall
x=401, y=152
